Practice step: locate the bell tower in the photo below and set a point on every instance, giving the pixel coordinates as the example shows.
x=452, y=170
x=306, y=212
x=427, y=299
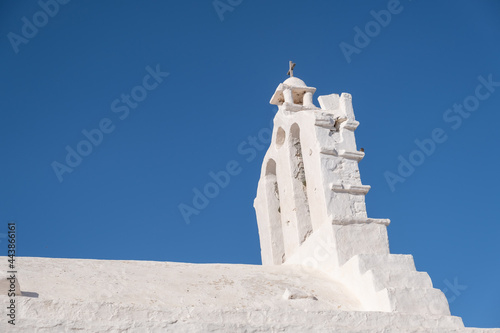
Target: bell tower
x=310, y=174
x=311, y=210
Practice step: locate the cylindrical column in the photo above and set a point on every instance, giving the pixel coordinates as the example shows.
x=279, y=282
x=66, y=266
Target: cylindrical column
x=287, y=93
x=308, y=98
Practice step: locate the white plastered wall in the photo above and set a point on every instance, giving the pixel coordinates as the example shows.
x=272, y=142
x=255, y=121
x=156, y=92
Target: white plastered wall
x=311, y=211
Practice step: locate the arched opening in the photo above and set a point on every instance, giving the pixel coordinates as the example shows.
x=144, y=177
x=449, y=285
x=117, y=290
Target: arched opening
x=280, y=137
x=300, y=184
x=298, y=97
x=274, y=211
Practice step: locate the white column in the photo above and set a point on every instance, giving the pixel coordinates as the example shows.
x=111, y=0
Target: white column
x=287, y=93
x=308, y=99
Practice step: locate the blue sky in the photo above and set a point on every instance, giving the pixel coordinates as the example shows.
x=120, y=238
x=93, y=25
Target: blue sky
x=202, y=79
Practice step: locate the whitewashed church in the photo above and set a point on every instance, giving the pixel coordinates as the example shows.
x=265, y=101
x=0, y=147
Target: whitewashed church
x=326, y=264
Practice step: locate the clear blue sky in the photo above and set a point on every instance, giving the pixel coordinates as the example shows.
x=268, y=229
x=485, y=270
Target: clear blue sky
x=121, y=201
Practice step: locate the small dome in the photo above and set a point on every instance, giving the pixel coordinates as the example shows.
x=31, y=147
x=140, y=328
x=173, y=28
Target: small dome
x=295, y=82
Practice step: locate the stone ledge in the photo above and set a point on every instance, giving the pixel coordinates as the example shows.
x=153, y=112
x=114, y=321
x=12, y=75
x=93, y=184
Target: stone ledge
x=352, y=189
x=351, y=125
x=352, y=155
x=325, y=121
x=362, y=220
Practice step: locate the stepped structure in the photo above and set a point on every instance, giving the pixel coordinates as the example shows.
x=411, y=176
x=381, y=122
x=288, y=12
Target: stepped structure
x=326, y=265
x=311, y=206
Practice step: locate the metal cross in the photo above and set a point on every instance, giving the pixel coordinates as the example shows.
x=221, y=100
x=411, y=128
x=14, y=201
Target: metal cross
x=290, y=71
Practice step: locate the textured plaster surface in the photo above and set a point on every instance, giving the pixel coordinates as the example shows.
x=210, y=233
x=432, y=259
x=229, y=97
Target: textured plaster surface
x=139, y=296
x=311, y=211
